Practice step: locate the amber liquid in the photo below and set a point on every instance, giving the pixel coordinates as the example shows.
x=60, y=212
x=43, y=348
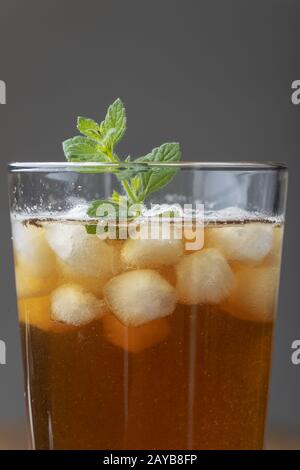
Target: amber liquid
x=197, y=379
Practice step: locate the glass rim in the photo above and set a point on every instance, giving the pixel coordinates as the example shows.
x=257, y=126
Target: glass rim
x=187, y=165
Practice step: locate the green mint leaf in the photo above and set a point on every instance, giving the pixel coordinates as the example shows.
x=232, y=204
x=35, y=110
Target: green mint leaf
x=116, y=197
x=107, y=141
x=166, y=153
x=114, y=122
x=110, y=209
x=93, y=210
x=91, y=229
x=137, y=178
x=89, y=128
x=131, y=170
x=156, y=178
x=136, y=182
x=83, y=149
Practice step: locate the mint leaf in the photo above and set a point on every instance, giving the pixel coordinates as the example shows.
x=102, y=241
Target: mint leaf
x=93, y=210
x=89, y=128
x=137, y=178
x=114, y=122
x=117, y=198
x=166, y=153
x=111, y=209
x=83, y=149
x=136, y=182
x=107, y=141
x=99, y=140
x=91, y=229
x=156, y=178
x=131, y=170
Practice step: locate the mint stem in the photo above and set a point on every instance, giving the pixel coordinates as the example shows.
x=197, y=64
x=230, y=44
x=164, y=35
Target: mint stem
x=113, y=157
x=131, y=195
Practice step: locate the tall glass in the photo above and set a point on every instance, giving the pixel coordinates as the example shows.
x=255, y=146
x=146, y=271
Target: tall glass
x=150, y=329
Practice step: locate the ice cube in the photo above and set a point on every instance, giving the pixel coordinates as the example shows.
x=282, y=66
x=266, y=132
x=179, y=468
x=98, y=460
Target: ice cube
x=32, y=250
x=84, y=253
x=135, y=339
x=28, y=286
x=204, y=277
x=73, y=305
x=274, y=256
x=155, y=246
x=36, y=312
x=140, y=296
x=193, y=237
x=254, y=297
x=248, y=242
x=92, y=284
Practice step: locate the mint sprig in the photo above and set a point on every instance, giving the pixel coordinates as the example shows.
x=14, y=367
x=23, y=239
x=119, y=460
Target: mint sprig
x=99, y=139
x=138, y=179
x=114, y=125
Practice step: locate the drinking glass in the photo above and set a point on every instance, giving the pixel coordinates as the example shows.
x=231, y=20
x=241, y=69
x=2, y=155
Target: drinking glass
x=148, y=328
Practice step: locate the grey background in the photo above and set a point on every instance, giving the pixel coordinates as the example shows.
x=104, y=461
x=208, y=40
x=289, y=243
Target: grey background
x=214, y=75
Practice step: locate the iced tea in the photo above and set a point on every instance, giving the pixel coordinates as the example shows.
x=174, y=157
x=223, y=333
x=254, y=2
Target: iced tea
x=143, y=344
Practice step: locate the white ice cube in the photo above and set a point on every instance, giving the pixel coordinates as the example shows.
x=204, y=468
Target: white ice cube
x=156, y=245
x=32, y=250
x=74, y=305
x=28, y=286
x=93, y=284
x=248, y=242
x=274, y=256
x=137, y=297
x=84, y=253
x=204, y=277
x=254, y=297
